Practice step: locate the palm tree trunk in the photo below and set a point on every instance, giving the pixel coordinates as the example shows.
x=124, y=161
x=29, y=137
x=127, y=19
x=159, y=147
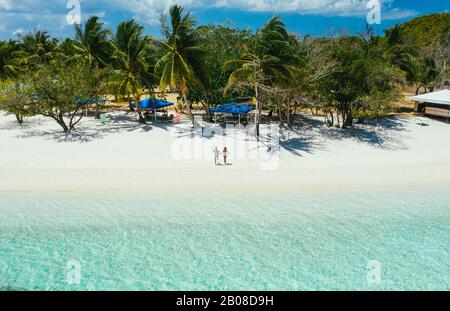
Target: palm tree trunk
x=187, y=103
x=97, y=111
x=280, y=115
x=138, y=109
x=258, y=109
x=288, y=114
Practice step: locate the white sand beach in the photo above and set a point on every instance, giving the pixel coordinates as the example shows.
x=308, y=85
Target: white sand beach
x=125, y=156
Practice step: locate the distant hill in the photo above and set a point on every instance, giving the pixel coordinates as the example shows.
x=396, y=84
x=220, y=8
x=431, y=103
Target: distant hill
x=427, y=29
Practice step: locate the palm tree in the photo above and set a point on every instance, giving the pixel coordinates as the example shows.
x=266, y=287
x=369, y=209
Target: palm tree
x=269, y=62
x=427, y=74
x=91, y=46
x=37, y=48
x=91, y=43
x=401, y=54
x=9, y=69
x=8, y=64
x=67, y=50
x=132, y=59
x=181, y=65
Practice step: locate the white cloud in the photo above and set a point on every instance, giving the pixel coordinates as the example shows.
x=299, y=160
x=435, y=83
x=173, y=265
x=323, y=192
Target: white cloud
x=49, y=14
x=5, y=4
x=150, y=10
x=18, y=32
x=15, y=14
x=395, y=14
x=299, y=6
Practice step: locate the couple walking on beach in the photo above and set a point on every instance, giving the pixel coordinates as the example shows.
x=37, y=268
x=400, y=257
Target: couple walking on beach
x=217, y=155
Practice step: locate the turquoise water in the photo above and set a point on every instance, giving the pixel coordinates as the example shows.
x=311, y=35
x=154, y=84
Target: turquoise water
x=303, y=241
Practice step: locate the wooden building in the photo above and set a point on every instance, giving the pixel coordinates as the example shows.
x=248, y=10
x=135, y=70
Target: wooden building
x=436, y=104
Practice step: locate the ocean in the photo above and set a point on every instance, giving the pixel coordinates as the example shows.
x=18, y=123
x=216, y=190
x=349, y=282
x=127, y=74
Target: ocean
x=391, y=239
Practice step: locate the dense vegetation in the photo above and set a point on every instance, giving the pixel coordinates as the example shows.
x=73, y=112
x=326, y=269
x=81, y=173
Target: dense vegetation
x=344, y=78
x=428, y=29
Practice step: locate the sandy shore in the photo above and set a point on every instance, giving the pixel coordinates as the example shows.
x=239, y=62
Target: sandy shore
x=122, y=156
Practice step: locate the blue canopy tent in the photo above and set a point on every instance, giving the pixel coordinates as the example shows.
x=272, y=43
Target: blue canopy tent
x=234, y=109
x=154, y=104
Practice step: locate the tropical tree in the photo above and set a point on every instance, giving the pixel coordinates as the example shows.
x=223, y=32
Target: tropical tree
x=61, y=90
x=401, y=53
x=180, y=66
x=269, y=62
x=438, y=55
x=68, y=51
x=11, y=92
x=91, y=46
x=15, y=98
x=221, y=43
x=362, y=85
x=427, y=74
x=8, y=62
x=36, y=49
x=313, y=63
x=133, y=59
x=91, y=43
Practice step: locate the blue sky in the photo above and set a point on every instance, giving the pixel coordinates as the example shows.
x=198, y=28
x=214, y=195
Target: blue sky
x=314, y=17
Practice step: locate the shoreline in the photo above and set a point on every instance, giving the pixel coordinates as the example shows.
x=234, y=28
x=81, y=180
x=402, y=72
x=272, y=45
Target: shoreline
x=283, y=181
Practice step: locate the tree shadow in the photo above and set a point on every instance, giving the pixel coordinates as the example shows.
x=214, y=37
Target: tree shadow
x=298, y=145
x=382, y=133
x=87, y=132
x=307, y=135
x=311, y=134
x=60, y=136
x=305, y=130
x=13, y=125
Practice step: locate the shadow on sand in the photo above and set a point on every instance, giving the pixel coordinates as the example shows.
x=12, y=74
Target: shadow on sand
x=13, y=125
x=85, y=133
x=311, y=134
x=308, y=135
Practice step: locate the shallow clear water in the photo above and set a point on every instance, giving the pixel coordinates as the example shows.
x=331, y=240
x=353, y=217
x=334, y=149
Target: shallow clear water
x=303, y=241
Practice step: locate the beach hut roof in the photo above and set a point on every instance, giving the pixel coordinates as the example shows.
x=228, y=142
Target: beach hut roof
x=438, y=97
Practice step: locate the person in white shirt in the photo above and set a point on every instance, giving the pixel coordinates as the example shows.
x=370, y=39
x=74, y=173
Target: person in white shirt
x=216, y=155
